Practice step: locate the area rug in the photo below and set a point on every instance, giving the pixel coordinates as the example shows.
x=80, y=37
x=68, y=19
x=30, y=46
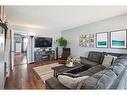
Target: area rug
x=45, y=72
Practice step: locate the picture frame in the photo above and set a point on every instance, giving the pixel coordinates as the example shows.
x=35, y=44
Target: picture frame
x=102, y=40
x=86, y=40
x=118, y=39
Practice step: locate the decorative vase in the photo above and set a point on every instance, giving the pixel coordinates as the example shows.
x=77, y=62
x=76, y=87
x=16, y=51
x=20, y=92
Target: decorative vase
x=70, y=64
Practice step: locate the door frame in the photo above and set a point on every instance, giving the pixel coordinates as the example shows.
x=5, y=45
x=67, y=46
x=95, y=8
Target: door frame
x=12, y=46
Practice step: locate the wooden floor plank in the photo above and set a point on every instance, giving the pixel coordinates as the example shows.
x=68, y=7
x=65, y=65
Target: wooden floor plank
x=22, y=77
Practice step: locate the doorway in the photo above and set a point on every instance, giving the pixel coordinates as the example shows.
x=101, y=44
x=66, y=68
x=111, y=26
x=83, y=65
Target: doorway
x=20, y=48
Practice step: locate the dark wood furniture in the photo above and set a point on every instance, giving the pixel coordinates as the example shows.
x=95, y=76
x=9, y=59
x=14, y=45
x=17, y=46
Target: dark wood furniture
x=44, y=55
x=78, y=67
x=66, y=52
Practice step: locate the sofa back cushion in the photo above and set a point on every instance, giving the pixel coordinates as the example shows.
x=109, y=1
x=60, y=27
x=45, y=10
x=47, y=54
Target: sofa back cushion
x=122, y=60
x=106, y=80
x=117, y=69
x=95, y=56
x=101, y=80
x=115, y=55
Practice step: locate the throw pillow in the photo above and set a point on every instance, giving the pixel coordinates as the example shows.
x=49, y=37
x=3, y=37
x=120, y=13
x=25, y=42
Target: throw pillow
x=114, y=58
x=107, y=61
x=69, y=81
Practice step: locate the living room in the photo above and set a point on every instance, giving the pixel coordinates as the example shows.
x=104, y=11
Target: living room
x=69, y=47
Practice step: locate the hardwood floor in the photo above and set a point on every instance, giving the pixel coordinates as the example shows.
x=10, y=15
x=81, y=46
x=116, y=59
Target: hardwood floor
x=23, y=77
x=20, y=58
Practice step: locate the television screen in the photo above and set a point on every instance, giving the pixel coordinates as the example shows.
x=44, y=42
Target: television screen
x=43, y=42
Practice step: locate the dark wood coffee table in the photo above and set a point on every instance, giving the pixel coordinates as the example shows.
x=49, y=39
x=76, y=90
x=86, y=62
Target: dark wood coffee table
x=63, y=68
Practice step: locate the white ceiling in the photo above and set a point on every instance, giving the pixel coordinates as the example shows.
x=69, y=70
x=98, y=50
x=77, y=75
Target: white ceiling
x=60, y=17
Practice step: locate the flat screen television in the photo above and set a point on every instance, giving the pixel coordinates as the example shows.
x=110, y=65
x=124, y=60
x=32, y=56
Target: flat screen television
x=41, y=42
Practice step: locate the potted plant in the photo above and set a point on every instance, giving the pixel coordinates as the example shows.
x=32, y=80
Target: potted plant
x=62, y=42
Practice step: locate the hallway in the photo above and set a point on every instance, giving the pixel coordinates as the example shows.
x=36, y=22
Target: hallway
x=20, y=76
x=20, y=58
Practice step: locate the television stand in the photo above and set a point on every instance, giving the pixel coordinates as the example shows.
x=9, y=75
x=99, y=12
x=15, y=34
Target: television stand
x=44, y=55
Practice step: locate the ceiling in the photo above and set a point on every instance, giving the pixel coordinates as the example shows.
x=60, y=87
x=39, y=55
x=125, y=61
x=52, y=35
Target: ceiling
x=60, y=17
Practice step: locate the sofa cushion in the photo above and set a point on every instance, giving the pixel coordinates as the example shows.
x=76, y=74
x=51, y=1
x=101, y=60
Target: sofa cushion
x=85, y=73
x=84, y=60
x=117, y=69
x=123, y=82
x=119, y=64
x=101, y=80
x=107, y=80
x=96, y=69
x=88, y=83
x=69, y=81
x=95, y=56
x=122, y=60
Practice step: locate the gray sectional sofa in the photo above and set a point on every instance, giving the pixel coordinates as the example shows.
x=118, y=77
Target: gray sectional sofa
x=100, y=77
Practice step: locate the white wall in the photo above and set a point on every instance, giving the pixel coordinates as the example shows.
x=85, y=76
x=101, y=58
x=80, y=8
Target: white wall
x=72, y=35
x=38, y=32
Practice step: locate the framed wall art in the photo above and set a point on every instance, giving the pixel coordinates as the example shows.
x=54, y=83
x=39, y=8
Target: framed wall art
x=86, y=40
x=118, y=39
x=102, y=40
